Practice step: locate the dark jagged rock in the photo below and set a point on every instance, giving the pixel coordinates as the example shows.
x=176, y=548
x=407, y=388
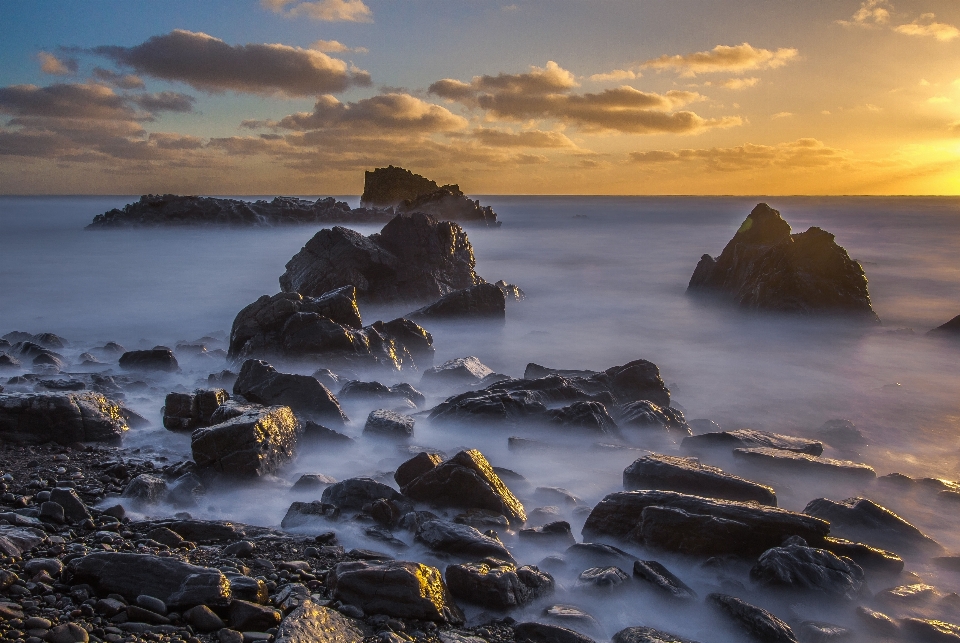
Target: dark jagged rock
x=647, y=635
x=387, y=187
x=9, y=363
x=153, y=210
x=157, y=359
x=818, y=632
x=357, y=390
x=748, y=438
x=585, y=416
x=543, y=633
x=841, y=433
x=790, y=461
x=692, y=524
x=601, y=578
x=176, y=583
x=553, y=534
x=416, y=467
x=304, y=513
x=449, y=203
x=466, y=481
x=949, y=329
x=764, y=267
x=64, y=418
x=877, y=622
x=483, y=301
x=498, y=585
x=73, y=507
x=260, y=383
x=411, y=336
x=869, y=558
x=187, y=411
x=414, y=258
x=462, y=371
x=643, y=414
x=461, y=540
x=16, y=540
x=386, y=423
x=599, y=555
x=312, y=623
x=660, y=578
x=511, y=292
x=355, y=493
x=922, y=629
x=797, y=567
x=688, y=475
x=255, y=442
x=311, y=481
x=401, y=589
x=865, y=520
x=145, y=489
x=757, y=622
x=317, y=433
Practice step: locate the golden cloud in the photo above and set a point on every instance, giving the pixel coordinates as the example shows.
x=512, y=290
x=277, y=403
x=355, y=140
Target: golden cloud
x=50, y=64
x=723, y=58
x=326, y=10
x=926, y=25
x=799, y=154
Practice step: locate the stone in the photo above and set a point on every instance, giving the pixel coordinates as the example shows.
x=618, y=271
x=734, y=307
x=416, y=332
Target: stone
x=460, y=540
x=52, y=566
x=388, y=424
x=482, y=301
x=555, y=534
x=394, y=588
x=869, y=558
x=647, y=635
x=842, y=434
x=922, y=629
x=756, y=621
x=312, y=623
x=177, y=584
x=52, y=511
x=948, y=329
x=765, y=267
x=145, y=489
x=680, y=522
x=253, y=444
x=543, y=633
x=246, y=616
x=64, y=418
x=67, y=633
x=498, y=584
x=462, y=371
x=408, y=192
x=203, y=619
x=662, y=580
x=601, y=578
x=311, y=481
x=586, y=416
x=317, y=433
x=688, y=475
x=207, y=531
x=227, y=635
x=138, y=614
x=749, y=438
x=817, y=632
x=261, y=383
x=187, y=411
x=801, y=463
x=159, y=359
x=164, y=536
x=73, y=508
x=877, y=622
x=864, y=520
x=643, y=414
x=415, y=467
x=355, y=493
x=248, y=589
x=598, y=555
x=466, y=481
x=797, y=567
x=511, y=292
x=356, y=390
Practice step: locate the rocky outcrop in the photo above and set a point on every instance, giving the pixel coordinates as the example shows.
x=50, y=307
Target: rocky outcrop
x=950, y=329
x=797, y=567
x=483, y=301
x=153, y=210
x=765, y=267
x=414, y=258
x=801, y=463
x=865, y=520
x=387, y=187
x=250, y=441
x=188, y=411
x=643, y=414
x=160, y=358
x=749, y=438
x=688, y=475
x=459, y=372
x=499, y=586
x=260, y=383
x=64, y=418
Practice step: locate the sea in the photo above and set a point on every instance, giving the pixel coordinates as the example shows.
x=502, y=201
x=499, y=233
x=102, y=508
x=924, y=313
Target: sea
x=605, y=281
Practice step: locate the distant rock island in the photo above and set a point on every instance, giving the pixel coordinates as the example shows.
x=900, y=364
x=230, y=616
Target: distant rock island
x=387, y=192
x=765, y=267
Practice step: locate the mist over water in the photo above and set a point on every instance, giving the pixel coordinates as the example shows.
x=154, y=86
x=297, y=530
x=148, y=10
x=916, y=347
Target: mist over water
x=605, y=279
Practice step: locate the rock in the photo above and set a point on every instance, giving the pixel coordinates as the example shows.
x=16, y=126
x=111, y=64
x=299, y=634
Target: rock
x=311, y=481
x=542, y=633
x=246, y=616
x=145, y=489
x=680, y=522
x=164, y=536
x=688, y=475
x=483, y=301
x=153, y=604
x=869, y=558
x=74, y=509
x=408, y=192
x=255, y=443
x=817, y=632
x=647, y=635
x=601, y=578
x=661, y=579
x=877, y=622
x=756, y=621
x=356, y=390
x=203, y=619
x=461, y=540
x=554, y=534
x=643, y=414
x=185, y=491
x=177, y=584
x=842, y=434
x=64, y=418
x=748, y=438
x=805, y=568
x=355, y=493
x=303, y=513
x=498, y=586
x=463, y=371
x=764, y=267
x=466, y=481
x=227, y=635
x=187, y=411
x=949, y=329
x=395, y=588
x=801, y=463
x=15, y=540
x=413, y=258
x=9, y=363
x=67, y=633
x=52, y=511
x=598, y=555
x=260, y=383
x=317, y=433
x=908, y=595
x=241, y=549
x=311, y=623
x=207, y=531
x=929, y=630
x=415, y=467
x=385, y=423
x=158, y=359
x=390, y=186
x=511, y=292
x=864, y=520
x=587, y=416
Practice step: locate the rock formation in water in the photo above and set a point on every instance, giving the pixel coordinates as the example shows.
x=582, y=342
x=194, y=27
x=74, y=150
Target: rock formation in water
x=765, y=267
x=950, y=329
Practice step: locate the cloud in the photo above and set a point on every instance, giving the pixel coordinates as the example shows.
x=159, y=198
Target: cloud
x=723, y=58
x=209, y=64
x=872, y=13
x=803, y=153
x=123, y=81
x=779, y=115
x=336, y=47
x=535, y=138
x=616, y=75
x=739, y=83
x=926, y=25
x=164, y=102
x=50, y=64
x=83, y=101
x=326, y=10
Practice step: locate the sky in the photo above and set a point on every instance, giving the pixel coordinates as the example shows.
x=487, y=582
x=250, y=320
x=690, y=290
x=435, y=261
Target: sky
x=297, y=97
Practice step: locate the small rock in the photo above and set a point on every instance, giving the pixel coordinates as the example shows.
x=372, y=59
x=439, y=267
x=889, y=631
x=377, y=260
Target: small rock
x=203, y=619
x=386, y=423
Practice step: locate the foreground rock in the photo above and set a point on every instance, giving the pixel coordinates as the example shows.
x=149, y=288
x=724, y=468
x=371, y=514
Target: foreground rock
x=695, y=525
x=188, y=411
x=755, y=621
x=801, y=463
x=647, y=635
x=401, y=589
x=260, y=383
x=747, y=439
x=388, y=424
x=797, y=567
x=312, y=623
x=395, y=187
x=863, y=519
x=687, y=475
x=64, y=418
x=413, y=258
x=498, y=586
x=764, y=267
x=250, y=440
x=483, y=301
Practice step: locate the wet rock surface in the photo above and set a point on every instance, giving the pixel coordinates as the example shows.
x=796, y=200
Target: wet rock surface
x=865, y=520
x=798, y=567
x=749, y=438
x=801, y=463
x=255, y=442
x=64, y=418
x=755, y=621
x=498, y=584
x=261, y=383
x=688, y=475
x=483, y=301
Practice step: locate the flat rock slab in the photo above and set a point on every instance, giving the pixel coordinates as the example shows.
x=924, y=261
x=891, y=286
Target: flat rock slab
x=804, y=463
x=255, y=443
x=749, y=438
x=688, y=475
x=756, y=621
x=64, y=418
x=865, y=520
x=311, y=623
x=15, y=541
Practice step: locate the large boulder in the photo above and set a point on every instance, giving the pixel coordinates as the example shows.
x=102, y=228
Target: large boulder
x=395, y=187
x=388, y=424
x=643, y=414
x=413, y=258
x=187, y=411
x=176, y=583
x=483, y=301
x=461, y=540
x=355, y=493
x=695, y=525
x=261, y=383
x=688, y=475
x=797, y=567
x=160, y=359
x=395, y=588
x=254, y=442
x=64, y=418
x=764, y=267
x=748, y=439
x=498, y=585
x=865, y=520
x=950, y=329
x=466, y=481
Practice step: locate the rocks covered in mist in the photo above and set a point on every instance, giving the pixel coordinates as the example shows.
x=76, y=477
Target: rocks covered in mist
x=261, y=383
x=598, y=555
x=659, y=578
x=688, y=475
x=249, y=441
x=414, y=258
x=800, y=463
x=865, y=520
x=544, y=633
x=461, y=371
x=557, y=534
x=64, y=418
x=644, y=414
x=801, y=568
x=188, y=411
x=749, y=438
x=357, y=390
x=159, y=359
x=765, y=267
x=388, y=424
x=356, y=493
x=584, y=416
x=647, y=635
x=482, y=301
x=871, y=559
x=755, y=621
x=498, y=584
x=842, y=434
x=950, y=329
x=462, y=541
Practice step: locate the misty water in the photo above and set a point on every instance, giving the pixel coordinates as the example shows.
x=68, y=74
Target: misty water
x=605, y=281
